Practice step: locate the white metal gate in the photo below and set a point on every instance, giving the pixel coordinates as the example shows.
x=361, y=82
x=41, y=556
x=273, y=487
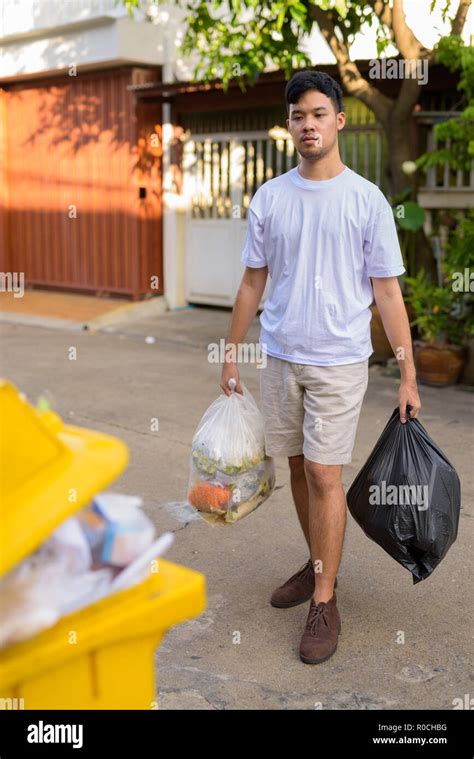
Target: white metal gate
x=222, y=171
x=221, y=174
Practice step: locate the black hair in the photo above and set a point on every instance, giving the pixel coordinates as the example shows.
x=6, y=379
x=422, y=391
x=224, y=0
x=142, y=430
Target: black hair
x=306, y=80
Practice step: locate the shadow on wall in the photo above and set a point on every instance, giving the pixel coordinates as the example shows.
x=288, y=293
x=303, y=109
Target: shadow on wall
x=84, y=184
x=79, y=112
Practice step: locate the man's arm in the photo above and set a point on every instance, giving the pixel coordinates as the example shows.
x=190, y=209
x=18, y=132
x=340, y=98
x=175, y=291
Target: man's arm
x=389, y=300
x=246, y=305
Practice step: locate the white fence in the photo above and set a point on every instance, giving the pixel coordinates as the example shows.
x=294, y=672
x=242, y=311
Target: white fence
x=223, y=171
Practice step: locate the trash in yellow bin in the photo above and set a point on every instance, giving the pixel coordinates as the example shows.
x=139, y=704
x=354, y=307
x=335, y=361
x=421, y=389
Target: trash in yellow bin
x=100, y=656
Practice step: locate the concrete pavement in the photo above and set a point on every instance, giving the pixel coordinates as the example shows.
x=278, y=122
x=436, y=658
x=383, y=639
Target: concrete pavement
x=119, y=382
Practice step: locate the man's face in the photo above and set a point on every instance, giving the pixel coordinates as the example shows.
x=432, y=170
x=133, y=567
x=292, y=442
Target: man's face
x=313, y=124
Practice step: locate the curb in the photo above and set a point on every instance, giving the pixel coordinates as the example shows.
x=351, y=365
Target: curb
x=125, y=314
x=156, y=306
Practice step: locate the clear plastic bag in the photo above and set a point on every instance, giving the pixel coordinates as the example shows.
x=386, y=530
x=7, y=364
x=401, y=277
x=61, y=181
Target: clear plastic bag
x=106, y=547
x=44, y=587
x=230, y=475
x=116, y=528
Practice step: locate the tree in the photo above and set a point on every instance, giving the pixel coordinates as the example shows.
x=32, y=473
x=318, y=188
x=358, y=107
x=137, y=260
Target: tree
x=240, y=38
x=456, y=135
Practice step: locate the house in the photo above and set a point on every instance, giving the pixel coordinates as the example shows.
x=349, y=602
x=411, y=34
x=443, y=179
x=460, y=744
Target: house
x=234, y=141
x=80, y=187
x=118, y=175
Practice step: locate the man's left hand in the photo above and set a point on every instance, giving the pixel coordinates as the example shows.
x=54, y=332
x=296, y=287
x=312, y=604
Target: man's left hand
x=408, y=396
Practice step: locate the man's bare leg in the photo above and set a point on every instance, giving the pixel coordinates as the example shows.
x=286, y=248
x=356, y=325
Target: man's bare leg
x=299, y=489
x=327, y=521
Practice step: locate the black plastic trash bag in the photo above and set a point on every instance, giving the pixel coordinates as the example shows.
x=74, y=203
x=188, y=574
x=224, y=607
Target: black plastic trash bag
x=407, y=497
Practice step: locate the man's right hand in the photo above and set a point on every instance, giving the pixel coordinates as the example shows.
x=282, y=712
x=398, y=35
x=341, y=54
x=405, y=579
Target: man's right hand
x=230, y=370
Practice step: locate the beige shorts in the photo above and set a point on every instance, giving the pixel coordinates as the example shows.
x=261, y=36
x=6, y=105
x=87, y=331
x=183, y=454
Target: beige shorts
x=312, y=410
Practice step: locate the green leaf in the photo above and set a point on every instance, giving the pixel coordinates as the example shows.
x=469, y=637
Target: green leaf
x=280, y=19
x=341, y=8
x=297, y=16
x=414, y=217
x=401, y=196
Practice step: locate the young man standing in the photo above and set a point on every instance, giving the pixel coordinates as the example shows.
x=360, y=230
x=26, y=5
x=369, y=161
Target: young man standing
x=327, y=238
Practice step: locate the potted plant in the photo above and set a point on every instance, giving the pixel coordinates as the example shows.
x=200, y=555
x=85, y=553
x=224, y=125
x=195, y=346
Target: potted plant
x=459, y=268
x=442, y=322
x=445, y=314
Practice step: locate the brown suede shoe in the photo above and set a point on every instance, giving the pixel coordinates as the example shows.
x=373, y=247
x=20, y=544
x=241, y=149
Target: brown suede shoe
x=321, y=632
x=298, y=589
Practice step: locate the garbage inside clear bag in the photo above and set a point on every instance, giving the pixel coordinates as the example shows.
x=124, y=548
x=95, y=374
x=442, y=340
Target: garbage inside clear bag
x=230, y=474
x=44, y=587
x=407, y=497
x=116, y=528
x=28, y=599
x=108, y=546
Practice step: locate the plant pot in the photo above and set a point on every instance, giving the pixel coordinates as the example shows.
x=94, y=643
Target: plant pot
x=438, y=365
x=382, y=348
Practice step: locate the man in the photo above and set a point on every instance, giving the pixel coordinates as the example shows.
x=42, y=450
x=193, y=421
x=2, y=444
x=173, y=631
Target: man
x=327, y=238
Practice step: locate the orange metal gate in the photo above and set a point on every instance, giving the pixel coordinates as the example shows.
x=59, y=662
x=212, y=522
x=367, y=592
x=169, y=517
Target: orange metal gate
x=82, y=185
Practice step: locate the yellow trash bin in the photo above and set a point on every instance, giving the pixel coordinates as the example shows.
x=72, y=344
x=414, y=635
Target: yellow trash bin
x=100, y=657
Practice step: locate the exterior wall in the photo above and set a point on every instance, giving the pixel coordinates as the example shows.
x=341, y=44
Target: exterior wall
x=109, y=43
x=148, y=176
x=4, y=202
x=37, y=15
x=47, y=37
x=75, y=168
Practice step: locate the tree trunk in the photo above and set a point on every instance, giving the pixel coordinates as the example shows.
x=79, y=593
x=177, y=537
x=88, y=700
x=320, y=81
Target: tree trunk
x=400, y=139
x=401, y=148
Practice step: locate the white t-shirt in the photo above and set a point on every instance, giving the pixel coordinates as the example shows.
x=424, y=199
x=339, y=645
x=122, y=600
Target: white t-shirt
x=321, y=241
